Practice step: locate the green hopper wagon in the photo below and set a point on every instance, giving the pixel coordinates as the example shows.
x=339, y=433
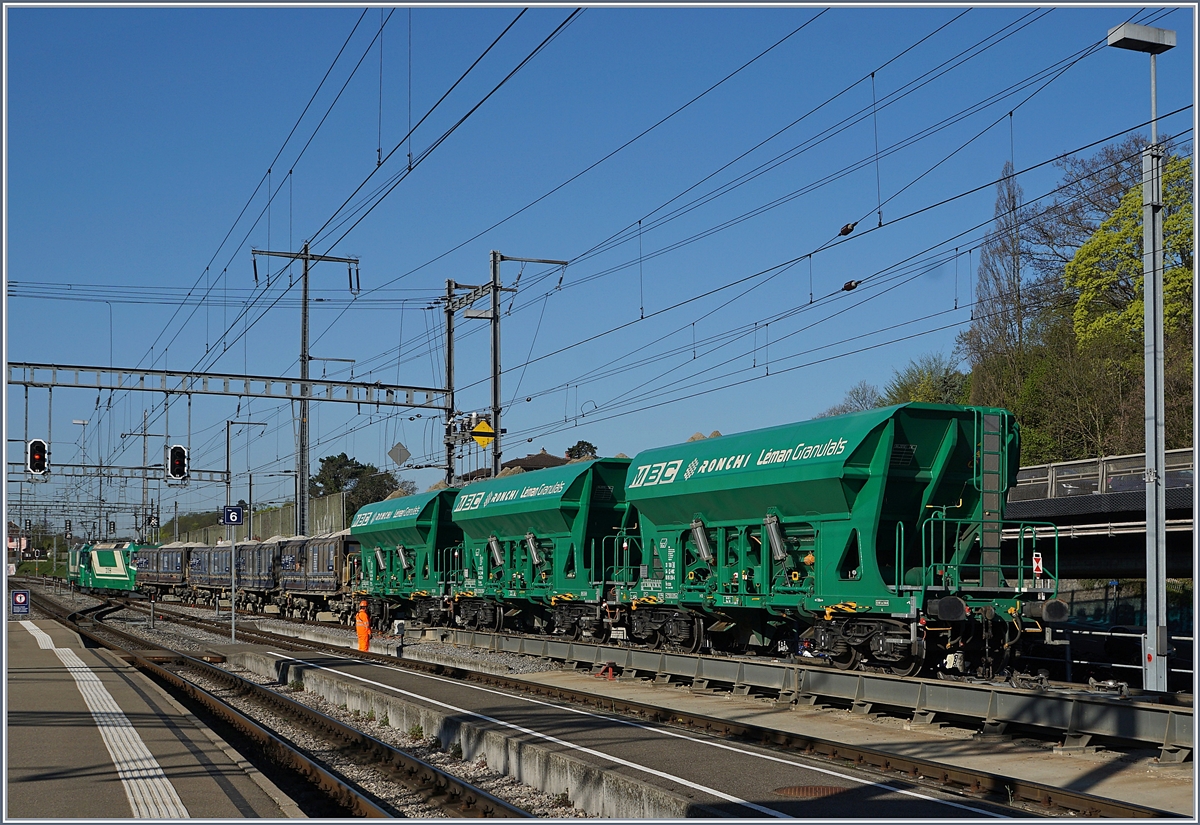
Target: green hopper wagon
x=539, y=547
x=869, y=538
x=409, y=547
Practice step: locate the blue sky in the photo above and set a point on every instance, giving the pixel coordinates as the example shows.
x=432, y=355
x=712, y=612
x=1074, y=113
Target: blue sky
x=136, y=137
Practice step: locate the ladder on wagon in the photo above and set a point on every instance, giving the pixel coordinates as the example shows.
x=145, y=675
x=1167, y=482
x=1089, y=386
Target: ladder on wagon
x=990, y=472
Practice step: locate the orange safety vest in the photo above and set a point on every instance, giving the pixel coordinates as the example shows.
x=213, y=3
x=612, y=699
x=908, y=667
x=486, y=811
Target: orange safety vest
x=362, y=623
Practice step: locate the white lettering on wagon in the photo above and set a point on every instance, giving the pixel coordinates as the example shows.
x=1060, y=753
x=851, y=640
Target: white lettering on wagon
x=473, y=501
x=665, y=472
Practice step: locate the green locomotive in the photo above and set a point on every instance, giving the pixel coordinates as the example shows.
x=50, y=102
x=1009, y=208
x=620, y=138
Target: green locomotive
x=104, y=566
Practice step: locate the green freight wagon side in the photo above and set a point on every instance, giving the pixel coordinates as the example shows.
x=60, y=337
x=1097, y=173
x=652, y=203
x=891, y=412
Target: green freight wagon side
x=873, y=512
x=543, y=538
x=407, y=545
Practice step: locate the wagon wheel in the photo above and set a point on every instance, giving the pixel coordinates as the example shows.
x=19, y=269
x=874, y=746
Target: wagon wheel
x=846, y=659
x=697, y=635
x=909, y=666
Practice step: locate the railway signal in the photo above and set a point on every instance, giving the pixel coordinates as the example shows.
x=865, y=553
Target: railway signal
x=112, y=527
x=35, y=457
x=67, y=531
x=178, y=464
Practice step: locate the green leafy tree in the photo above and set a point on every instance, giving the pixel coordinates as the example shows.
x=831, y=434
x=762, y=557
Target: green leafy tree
x=1109, y=311
x=1106, y=271
x=581, y=449
x=933, y=378
x=362, y=483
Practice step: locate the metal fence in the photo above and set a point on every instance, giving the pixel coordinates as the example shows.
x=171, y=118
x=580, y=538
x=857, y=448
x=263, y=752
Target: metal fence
x=1112, y=474
x=325, y=515
x=1116, y=653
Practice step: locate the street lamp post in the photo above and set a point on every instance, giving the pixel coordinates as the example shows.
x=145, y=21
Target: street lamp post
x=1154, y=42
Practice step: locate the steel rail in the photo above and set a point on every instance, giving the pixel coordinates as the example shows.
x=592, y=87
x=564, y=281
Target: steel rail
x=433, y=786
x=999, y=788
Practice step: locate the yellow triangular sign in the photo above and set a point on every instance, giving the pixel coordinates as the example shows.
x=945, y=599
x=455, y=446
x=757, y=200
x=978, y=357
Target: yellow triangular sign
x=483, y=434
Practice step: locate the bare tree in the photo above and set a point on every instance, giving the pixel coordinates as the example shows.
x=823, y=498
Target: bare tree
x=862, y=396
x=996, y=344
x=1090, y=190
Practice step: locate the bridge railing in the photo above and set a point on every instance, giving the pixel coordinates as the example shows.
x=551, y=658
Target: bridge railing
x=1116, y=653
x=1112, y=474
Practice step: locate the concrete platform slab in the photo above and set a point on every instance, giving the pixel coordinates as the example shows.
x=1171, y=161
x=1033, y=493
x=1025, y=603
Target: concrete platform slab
x=91, y=737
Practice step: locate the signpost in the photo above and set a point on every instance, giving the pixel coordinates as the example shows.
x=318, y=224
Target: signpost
x=483, y=434
x=231, y=517
x=20, y=602
x=399, y=453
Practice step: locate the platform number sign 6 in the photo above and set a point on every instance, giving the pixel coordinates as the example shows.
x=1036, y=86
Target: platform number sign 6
x=233, y=515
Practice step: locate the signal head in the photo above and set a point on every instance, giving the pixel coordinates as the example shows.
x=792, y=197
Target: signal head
x=36, y=457
x=177, y=466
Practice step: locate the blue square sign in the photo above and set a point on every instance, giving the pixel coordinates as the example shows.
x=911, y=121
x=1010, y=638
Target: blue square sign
x=233, y=515
x=20, y=602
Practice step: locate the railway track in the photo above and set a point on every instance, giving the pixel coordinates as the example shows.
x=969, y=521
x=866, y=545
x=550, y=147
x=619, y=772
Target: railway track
x=1026, y=795
x=436, y=788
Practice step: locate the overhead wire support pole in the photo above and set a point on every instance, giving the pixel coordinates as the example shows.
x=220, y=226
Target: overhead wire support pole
x=450, y=287
x=496, y=289
x=302, y=460
x=230, y=532
x=495, y=323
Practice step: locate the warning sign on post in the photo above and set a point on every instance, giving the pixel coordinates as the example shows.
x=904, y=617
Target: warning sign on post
x=483, y=434
x=20, y=602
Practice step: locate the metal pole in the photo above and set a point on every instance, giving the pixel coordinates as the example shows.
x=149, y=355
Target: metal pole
x=229, y=536
x=302, y=447
x=1156, y=503
x=250, y=510
x=496, y=363
x=145, y=462
x=1152, y=41
x=1153, y=99
x=449, y=382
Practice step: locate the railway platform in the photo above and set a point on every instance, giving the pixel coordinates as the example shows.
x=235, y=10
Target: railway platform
x=1128, y=776
x=660, y=783
x=91, y=737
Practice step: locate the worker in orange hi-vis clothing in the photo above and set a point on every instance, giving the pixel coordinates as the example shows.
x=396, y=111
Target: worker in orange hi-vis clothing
x=362, y=623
